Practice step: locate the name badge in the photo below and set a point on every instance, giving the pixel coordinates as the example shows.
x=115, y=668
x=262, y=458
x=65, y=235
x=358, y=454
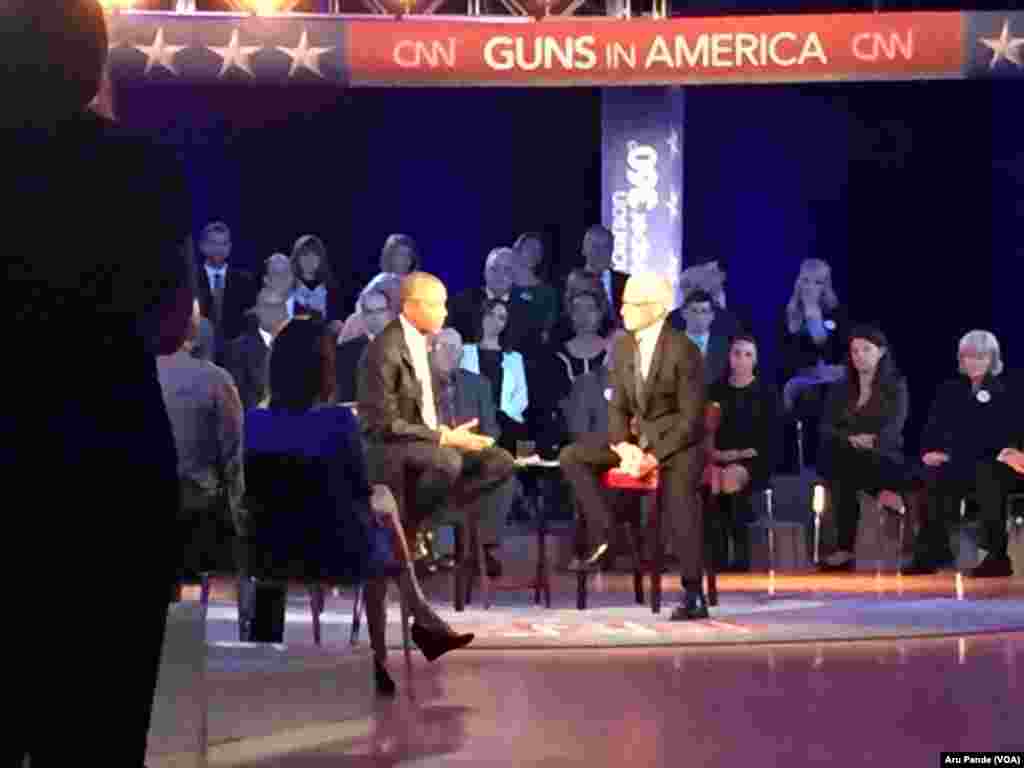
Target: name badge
x=830, y=325
x=983, y=396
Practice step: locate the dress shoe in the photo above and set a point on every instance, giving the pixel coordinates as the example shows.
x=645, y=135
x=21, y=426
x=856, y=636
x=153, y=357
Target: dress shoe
x=592, y=561
x=385, y=685
x=694, y=606
x=435, y=643
x=993, y=568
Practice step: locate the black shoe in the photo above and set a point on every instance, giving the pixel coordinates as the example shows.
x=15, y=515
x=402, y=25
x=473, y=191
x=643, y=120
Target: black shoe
x=385, y=685
x=694, y=606
x=433, y=644
x=992, y=567
x=920, y=567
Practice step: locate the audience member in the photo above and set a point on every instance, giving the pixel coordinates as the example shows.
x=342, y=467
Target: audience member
x=377, y=310
x=464, y=396
x=504, y=370
x=862, y=436
x=746, y=447
x=387, y=283
x=279, y=279
x=814, y=328
x=522, y=327
x=699, y=314
x=206, y=416
x=710, y=277
x=586, y=410
x=973, y=426
x=124, y=297
x=227, y=292
x=247, y=355
x=598, y=247
x=315, y=288
x=529, y=248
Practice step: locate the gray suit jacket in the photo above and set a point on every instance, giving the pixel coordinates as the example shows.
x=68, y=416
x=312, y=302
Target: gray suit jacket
x=474, y=399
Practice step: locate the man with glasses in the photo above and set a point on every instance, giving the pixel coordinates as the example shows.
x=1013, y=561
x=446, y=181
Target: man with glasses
x=655, y=422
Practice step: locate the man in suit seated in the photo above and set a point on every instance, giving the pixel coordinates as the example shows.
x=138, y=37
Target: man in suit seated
x=698, y=313
x=246, y=356
x=523, y=330
x=656, y=421
x=463, y=396
x=225, y=292
x=405, y=441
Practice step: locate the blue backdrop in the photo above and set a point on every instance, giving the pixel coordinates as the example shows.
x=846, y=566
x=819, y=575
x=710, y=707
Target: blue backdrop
x=911, y=191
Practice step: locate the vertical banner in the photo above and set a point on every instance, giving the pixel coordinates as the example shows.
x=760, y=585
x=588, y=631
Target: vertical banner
x=642, y=178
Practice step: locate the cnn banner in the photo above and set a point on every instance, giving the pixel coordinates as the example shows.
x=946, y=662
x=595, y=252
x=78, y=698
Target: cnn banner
x=641, y=52
x=642, y=175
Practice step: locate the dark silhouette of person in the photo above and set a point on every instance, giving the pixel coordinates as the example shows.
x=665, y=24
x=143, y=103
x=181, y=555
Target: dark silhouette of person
x=94, y=456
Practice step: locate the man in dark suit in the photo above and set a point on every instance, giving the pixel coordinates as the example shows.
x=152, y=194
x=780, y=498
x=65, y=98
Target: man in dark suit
x=597, y=250
x=377, y=314
x=405, y=441
x=699, y=312
x=523, y=330
x=246, y=357
x=126, y=296
x=655, y=421
x=225, y=293
x=463, y=396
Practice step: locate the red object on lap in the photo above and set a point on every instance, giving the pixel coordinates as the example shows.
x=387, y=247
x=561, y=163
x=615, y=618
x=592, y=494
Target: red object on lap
x=616, y=478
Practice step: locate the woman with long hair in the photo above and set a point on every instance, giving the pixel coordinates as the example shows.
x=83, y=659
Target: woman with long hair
x=862, y=436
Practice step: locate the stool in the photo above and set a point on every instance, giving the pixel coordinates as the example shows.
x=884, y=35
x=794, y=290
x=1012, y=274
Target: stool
x=616, y=479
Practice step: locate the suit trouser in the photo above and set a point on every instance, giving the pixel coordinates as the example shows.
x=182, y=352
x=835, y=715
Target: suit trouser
x=441, y=475
x=585, y=461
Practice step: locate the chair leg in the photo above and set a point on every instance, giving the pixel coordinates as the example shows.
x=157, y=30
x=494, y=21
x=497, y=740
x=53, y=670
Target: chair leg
x=485, y=580
x=638, y=568
x=357, y=615
x=316, y=591
x=658, y=558
x=403, y=607
x=458, y=573
x=204, y=590
x=899, y=538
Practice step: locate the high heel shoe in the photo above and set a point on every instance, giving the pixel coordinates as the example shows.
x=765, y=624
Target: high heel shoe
x=434, y=644
x=385, y=685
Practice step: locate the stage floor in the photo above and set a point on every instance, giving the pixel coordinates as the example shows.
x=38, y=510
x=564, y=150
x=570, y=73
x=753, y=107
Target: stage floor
x=752, y=609
x=789, y=680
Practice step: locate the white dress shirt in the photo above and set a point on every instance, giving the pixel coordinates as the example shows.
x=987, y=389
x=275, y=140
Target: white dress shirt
x=267, y=338
x=211, y=271
x=417, y=343
x=647, y=340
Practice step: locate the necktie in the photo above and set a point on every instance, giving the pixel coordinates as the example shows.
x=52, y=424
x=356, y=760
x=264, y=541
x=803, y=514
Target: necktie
x=218, y=297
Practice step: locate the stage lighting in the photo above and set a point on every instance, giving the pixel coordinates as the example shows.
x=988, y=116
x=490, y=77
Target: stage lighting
x=265, y=7
x=113, y=5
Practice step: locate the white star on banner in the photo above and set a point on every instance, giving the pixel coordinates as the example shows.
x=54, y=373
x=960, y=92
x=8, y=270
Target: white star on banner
x=159, y=53
x=672, y=203
x=1004, y=47
x=673, y=142
x=304, y=56
x=235, y=55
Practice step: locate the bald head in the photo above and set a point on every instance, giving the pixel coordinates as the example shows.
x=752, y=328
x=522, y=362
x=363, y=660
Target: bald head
x=646, y=300
x=424, y=300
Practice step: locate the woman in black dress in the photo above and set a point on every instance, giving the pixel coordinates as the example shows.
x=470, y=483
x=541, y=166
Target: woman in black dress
x=745, y=449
